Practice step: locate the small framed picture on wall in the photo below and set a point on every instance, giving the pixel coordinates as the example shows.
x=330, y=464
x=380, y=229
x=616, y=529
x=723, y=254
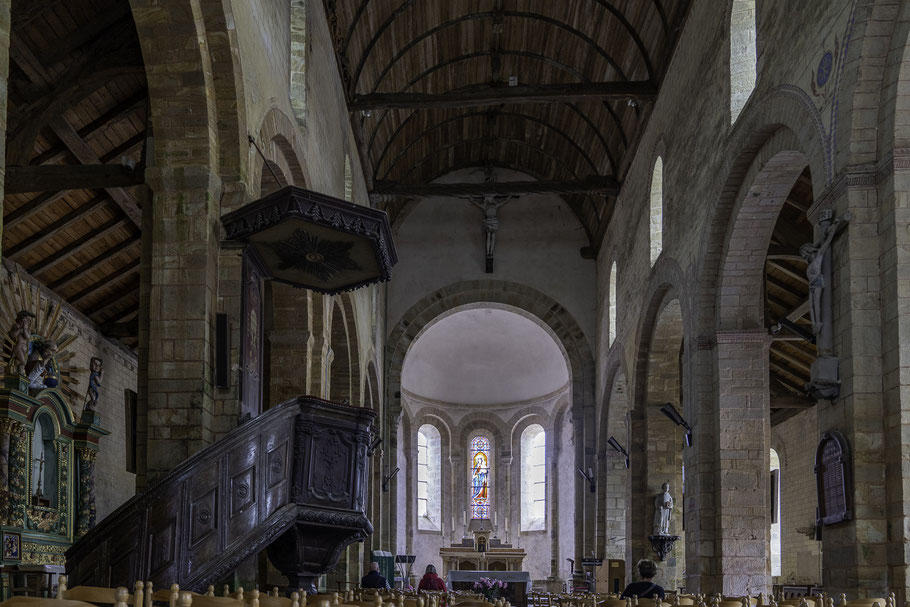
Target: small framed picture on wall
x=11, y=546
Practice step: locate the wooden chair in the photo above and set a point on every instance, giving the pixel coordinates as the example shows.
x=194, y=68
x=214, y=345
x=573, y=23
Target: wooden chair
x=35, y=601
x=120, y=597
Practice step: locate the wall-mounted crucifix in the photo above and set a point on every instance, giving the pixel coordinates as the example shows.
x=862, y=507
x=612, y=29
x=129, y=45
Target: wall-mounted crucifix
x=490, y=204
x=825, y=380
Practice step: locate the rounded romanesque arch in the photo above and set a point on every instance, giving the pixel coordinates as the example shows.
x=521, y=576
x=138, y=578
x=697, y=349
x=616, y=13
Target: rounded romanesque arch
x=279, y=143
x=568, y=335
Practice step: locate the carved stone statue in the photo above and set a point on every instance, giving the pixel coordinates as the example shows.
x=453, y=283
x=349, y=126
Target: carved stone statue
x=814, y=253
x=663, y=506
x=490, y=205
x=20, y=334
x=94, y=384
x=40, y=365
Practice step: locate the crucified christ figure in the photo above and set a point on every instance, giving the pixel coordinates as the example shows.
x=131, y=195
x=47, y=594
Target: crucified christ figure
x=814, y=253
x=490, y=205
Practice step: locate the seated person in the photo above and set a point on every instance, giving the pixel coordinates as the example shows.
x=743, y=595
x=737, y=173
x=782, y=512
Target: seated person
x=374, y=579
x=645, y=589
x=431, y=581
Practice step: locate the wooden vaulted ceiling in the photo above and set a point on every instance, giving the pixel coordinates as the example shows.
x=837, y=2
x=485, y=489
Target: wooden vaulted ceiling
x=429, y=84
x=77, y=114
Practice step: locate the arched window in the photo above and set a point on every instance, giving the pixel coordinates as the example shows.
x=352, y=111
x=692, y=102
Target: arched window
x=429, y=478
x=656, y=225
x=298, y=60
x=775, y=514
x=612, y=303
x=742, y=55
x=44, y=463
x=348, y=179
x=480, y=478
x=533, y=479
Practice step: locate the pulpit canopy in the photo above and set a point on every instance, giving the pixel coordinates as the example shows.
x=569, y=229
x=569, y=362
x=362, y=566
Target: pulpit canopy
x=310, y=240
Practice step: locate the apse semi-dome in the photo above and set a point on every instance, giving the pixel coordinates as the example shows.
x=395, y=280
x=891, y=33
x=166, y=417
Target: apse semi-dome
x=484, y=356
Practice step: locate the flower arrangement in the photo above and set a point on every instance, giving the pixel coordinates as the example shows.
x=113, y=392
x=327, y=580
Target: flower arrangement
x=491, y=589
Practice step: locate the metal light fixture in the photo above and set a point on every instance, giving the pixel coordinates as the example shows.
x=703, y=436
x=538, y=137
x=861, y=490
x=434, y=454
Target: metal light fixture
x=589, y=476
x=670, y=411
x=617, y=447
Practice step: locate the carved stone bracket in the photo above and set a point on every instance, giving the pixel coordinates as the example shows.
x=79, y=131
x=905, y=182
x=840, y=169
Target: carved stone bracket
x=662, y=544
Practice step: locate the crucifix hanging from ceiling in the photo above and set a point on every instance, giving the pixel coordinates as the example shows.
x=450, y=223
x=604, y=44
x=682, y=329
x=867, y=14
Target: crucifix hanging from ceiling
x=490, y=204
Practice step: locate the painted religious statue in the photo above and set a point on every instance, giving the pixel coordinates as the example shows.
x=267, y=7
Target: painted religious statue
x=40, y=368
x=663, y=507
x=94, y=384
x=20, y=334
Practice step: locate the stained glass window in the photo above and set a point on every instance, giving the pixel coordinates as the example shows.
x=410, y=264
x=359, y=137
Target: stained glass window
x=480, y=478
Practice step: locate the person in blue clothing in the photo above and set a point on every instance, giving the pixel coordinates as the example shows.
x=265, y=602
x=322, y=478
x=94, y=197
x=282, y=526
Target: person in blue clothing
x=374, y=579
x=645, y=589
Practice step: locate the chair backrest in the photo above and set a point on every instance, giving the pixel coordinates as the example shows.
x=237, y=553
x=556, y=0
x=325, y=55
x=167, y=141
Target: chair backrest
x=107, y=596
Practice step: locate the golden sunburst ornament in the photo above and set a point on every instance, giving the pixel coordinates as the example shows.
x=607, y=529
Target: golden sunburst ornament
x=24, y=310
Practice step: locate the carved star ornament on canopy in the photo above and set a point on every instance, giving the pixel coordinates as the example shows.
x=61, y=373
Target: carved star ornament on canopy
x=314, y=241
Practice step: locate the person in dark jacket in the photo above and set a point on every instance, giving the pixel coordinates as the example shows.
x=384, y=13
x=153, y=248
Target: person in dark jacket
x=431, y=581
x=374, y=579
x=645, y=589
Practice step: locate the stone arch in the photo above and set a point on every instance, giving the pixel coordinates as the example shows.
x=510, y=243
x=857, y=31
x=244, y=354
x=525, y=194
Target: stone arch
x=341, y=365
x=552, y=314
x=614, y=487
x=373, y=388
x=779, y=122
x=658, y=379
x=278, y=141
x=346, y=302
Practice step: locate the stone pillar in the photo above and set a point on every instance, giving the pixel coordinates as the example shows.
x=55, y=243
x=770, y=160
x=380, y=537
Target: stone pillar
x=85, y=506
x=4, y=86
x=868, y=340
x=291, y=342
x=181, y=316
x=743, y=461
x=18, y=475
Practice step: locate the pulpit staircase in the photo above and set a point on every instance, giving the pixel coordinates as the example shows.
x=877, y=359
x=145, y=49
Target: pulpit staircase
x=293, y=480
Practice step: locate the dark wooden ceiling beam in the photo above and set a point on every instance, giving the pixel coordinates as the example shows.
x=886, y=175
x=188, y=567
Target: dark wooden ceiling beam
x=495, y=95
x=77, y=245
x=89, y=266
x=26, y=11
x=87, y=34
x=782, y=268
x=56, y=177
x=585, y=185
x=86, y=155
x=51, y=231
x=791, y=402
x=129, y=292
x=793, y=360
x=127, y=270
x=124, y=148
x=34, y=205
x=110, y=118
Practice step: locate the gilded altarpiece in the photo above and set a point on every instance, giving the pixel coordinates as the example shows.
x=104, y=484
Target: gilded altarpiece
x=47, y=480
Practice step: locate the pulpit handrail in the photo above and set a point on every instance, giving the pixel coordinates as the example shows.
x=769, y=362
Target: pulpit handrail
x=279, y=413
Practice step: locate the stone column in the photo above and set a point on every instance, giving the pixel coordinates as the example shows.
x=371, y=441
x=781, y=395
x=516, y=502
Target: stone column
x=869, y=340
x=4, y=86
x=743, y=461
x=181, y=316
x=85, y=506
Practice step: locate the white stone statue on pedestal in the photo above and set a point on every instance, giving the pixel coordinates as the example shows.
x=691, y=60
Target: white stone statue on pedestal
x=663, y=506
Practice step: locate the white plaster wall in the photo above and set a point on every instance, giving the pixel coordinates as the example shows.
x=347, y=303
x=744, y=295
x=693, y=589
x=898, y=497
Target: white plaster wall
x=442, y=242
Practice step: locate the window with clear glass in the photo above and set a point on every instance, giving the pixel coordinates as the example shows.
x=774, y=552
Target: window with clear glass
x=612, y=303
x=656, y=224
x=743, y=55
x=775, y=514
x=429, y=502
x=533, y=478
x=480, y=478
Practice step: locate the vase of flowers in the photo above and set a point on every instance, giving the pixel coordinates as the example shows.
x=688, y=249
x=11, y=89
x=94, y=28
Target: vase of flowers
x=491, y=589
